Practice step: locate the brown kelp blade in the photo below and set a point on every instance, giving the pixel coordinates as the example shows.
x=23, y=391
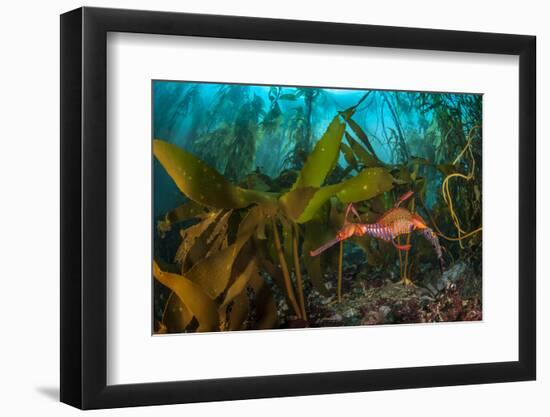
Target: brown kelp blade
x=323, y=248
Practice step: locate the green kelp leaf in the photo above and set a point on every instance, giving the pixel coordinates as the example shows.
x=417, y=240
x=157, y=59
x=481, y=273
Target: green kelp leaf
x=360, y=133
x=348, y=155
x=346, y=114
x=316, y=202
x=367, y=184
x=361, y=153
x=403, y=176
x=176, y=315
x=213, y=273
x=200, y=182
x=321, y=160
x=337, y=214
x=294, y=202
x=190, y=294
x=316, y=234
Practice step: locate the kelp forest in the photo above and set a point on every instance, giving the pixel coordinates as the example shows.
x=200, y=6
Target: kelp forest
x=279, y=207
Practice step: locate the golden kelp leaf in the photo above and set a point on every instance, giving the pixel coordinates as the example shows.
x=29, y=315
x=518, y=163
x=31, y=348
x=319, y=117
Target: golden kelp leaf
x=160, y=328
x=219, y=228
x=260, y=231
x=191, y=294
x=255, y=216
x=217, y=239
x=446, y=169
x=321, y=160
x=266, y=308
x=294, y=202
x=191, y=234
x=361, y=135
x=200, y=182
x=255, y=181
x=286, y=237
x=213, y=273
x=238, y=311
x=181, y=213
x=275, y=273
x=176, y=315
x=220, y=243
x=242, y=280
x=367, y=184
x=361, y=153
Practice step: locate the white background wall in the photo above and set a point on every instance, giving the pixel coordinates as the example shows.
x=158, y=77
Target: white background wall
x=29, y=219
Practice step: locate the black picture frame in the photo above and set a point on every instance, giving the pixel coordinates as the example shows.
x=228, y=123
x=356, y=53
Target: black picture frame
x=84, y=207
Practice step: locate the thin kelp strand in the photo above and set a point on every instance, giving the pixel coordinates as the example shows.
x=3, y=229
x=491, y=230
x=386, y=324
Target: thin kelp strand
x=445, y=190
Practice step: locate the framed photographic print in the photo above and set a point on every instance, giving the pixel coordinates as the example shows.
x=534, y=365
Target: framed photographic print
x=257, y=208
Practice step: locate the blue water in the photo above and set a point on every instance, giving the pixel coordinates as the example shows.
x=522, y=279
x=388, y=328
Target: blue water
x=185, y=112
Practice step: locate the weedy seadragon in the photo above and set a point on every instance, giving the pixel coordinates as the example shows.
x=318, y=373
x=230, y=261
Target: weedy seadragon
x=395, y=222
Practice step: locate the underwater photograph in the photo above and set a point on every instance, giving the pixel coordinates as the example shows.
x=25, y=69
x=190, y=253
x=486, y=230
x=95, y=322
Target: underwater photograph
x=284, y=207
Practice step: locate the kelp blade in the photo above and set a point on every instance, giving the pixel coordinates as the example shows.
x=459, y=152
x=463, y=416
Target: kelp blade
x=177, y=315
x=314, y=236
x=295, y=202
x=367, y=184
x=323, y=157
x=213, y=273
x=361, y=153
x=191, y=294
x=241, y=282
x=361, y=135
x=200, y=182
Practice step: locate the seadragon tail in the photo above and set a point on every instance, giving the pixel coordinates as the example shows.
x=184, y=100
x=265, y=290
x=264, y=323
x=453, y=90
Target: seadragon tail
x=434, y=240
